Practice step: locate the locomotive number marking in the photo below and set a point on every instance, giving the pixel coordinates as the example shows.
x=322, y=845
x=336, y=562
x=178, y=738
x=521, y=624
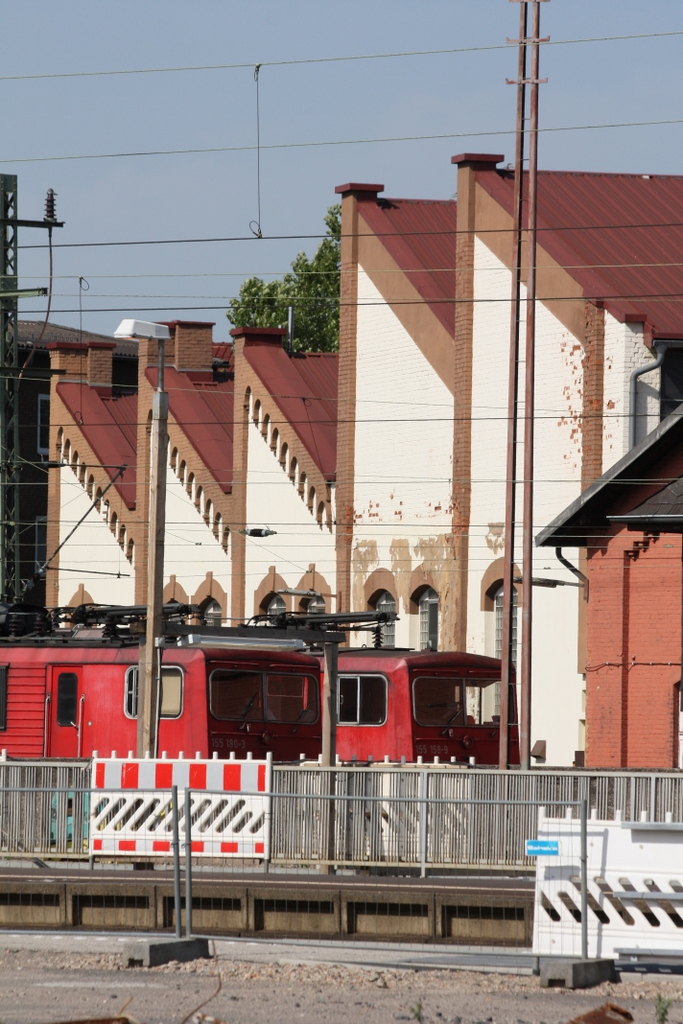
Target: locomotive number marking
x=227, y=742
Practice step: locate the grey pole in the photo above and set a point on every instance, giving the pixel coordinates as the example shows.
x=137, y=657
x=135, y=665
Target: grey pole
x=176, y=864
x=188, y=864
x=584, y=879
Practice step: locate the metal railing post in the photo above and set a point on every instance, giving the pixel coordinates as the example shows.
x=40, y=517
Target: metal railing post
x=188, y=864
x=423, y=824
x=584, y=879
x=176, y=864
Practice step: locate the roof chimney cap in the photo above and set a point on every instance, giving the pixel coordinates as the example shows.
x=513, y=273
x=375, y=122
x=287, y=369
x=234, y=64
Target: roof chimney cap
x=478, y=158
x=357, y=186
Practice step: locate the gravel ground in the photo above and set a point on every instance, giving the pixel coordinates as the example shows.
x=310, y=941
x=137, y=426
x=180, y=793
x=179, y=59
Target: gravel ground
x=45, y=987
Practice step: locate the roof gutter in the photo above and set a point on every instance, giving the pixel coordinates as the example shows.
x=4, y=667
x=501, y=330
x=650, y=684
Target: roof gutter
x=660, y=347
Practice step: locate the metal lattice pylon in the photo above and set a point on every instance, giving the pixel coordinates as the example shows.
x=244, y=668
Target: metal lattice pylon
x=9, y=423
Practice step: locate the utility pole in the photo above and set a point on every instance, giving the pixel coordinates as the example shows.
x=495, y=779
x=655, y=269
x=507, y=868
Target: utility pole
x=529, y=396
x=529, y=401
x=149, y=667
x=509, y=639
x=10, y=576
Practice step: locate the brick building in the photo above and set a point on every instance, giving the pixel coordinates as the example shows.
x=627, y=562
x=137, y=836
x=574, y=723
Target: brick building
x=398, y=501
x=630, y=523
x=423, y=399
x=252, y=434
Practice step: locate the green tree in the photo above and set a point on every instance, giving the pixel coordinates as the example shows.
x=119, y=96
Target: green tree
x=312, y=287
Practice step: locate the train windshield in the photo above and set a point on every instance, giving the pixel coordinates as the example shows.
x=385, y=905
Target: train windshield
x=362, y=700
x=255, y=697
x=448, y=702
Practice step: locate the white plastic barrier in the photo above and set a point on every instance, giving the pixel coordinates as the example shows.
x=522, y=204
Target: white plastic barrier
x=132, y=807
x=635, y=889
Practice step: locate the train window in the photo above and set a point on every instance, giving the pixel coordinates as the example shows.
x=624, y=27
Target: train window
x=171, y=692
x=67, y=698
x=236, y=695
x=437, y=701
x=362, y=700
x=481, y=706
x=291, y=699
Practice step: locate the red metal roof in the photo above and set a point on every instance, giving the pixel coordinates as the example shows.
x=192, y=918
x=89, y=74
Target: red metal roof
x=109, y=425
x=619, y=235
x=420, y=235
x=203, y=408
x=304, y=388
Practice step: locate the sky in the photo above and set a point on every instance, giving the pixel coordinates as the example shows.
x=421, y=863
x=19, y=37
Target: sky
x=206, y=195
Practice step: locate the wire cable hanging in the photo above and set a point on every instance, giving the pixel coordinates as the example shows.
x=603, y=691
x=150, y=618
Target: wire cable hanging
x=256, y=230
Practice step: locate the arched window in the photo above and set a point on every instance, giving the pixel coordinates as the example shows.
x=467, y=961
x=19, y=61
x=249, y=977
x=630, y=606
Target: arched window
x=174, y=459
x=284, y=451
x=302, y=485
x=274, y=439
x=498, y=636
x=265, y=426
x=189, y=487
x=320, y=516
x=386, y=603
x=213, y=614
x=91, y=486
x=226, y=538
x=293, y=466
x=217, y=523
x=316, y=605
x=276, y=605
x=130, y=553
x=182, y=469
x=208, y=509
x=257, y=413
x=429, y=620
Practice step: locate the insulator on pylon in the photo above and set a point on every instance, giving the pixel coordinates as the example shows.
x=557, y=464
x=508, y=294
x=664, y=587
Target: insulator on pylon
x=50, y=208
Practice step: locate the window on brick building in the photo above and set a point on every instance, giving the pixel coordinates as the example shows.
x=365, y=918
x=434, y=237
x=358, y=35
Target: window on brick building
x=386, y=603
x=429, y=620
x=43, y=439
x=671, y=387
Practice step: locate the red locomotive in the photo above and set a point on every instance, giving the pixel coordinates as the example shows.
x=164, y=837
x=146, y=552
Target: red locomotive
x=68, y=693
x=414, y=704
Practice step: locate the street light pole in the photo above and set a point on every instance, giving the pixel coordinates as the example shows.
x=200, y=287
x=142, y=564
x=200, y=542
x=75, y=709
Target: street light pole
x=149, y=669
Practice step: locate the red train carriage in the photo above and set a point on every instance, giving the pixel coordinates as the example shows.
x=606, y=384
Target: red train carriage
x=62, y=699
x=420, y=704
x=68, y=693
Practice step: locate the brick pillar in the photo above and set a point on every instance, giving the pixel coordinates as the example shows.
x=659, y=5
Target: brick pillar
x=352, y=195
x=593, y=378
x=240, y=453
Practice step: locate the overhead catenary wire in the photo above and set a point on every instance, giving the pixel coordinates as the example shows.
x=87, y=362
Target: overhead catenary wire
x=330, y=142
x=543, y=229
x=327, y=60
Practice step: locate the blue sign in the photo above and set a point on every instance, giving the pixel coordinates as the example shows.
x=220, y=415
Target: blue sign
x=542, y=848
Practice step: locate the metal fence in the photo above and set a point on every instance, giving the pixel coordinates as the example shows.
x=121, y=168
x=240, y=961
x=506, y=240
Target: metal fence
x=432, y=816
x=380, y=815
x=44, y=808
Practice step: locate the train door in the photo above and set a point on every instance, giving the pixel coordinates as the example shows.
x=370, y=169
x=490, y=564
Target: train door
x=65, y=716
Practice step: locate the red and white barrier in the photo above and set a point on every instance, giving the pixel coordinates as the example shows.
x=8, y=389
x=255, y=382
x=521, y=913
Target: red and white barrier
x=132, y=807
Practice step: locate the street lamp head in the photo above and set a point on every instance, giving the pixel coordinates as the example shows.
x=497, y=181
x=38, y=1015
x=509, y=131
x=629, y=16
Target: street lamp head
x=142, y=329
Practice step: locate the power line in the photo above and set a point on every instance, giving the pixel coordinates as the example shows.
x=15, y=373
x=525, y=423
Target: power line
x=332, y=142
x=324, y=60
x=543, y=229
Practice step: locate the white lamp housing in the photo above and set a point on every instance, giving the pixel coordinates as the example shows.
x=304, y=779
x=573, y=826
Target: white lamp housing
x=142, y=329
